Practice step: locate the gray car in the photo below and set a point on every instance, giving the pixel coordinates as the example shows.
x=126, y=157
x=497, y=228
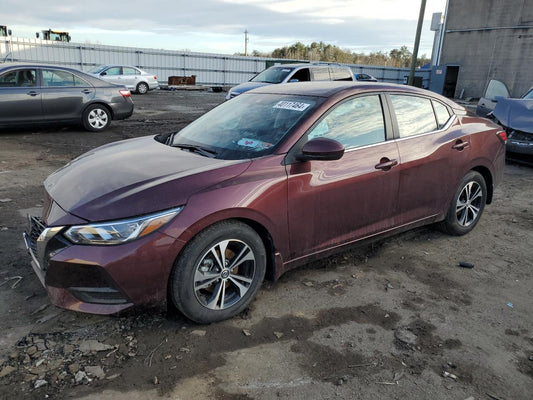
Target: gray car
x=133, y=78
x=37, y=94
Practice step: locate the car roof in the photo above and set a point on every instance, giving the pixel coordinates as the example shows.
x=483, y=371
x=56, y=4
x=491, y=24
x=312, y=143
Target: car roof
x=331, y=88
x=319, y=65
x=119, y=65
x=93, y=80
x=33, y=65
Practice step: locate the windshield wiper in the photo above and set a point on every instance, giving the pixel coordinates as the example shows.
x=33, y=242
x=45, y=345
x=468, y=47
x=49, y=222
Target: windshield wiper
x=196, y=149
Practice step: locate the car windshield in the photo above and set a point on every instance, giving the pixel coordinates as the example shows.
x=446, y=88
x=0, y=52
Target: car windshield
x=97, y=70
x=272, y=75
x=529, y=95
x=248, y=126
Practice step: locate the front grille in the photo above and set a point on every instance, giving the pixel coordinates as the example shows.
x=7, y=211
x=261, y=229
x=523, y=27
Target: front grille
x=36, y=228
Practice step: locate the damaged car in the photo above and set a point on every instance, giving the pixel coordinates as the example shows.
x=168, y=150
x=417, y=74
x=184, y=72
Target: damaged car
x=261, y=184
x=516, y=117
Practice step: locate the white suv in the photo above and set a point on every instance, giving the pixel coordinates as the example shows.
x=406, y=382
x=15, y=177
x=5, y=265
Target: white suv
x=294, y=73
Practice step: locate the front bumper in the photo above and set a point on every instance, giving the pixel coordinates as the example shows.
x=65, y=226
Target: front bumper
x=100, y=279
x=520, y=146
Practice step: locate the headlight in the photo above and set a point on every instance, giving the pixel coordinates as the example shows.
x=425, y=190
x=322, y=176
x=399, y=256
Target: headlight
x=117, y=232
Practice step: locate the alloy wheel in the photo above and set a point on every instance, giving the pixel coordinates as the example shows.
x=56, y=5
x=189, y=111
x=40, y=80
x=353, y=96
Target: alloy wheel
x=469, y=203
x=98, y=118
x=224, y=274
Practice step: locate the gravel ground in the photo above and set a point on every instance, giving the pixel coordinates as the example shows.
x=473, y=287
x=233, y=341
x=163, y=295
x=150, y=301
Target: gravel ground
x=397, y=319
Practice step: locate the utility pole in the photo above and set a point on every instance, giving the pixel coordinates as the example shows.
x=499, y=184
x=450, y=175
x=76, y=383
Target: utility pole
x=246, y=42
x=417, y=42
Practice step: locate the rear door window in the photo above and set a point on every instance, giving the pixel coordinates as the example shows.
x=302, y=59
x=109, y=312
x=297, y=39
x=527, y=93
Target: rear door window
x=130, y=71
x=414, y=114
x=320, y=74
x=61, y=78
x=340, y=74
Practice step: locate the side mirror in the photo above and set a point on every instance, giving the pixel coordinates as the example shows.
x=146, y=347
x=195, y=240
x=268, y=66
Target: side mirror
x=103, y=73
x=294, y=80
x=321, y=149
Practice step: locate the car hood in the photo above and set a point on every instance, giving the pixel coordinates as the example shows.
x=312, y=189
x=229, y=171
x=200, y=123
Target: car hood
x=244, y=87
x=515, y=113
x=135, y=177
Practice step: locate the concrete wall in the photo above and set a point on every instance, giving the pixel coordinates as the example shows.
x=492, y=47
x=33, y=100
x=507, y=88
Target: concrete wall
x=490, y=39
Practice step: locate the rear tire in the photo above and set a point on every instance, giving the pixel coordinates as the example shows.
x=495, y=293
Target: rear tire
x=142, y=88
x=218, y=273
x=467, y=205
x=96, y=118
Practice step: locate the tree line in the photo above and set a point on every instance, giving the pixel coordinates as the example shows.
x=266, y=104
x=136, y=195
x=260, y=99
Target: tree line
x=330, y=53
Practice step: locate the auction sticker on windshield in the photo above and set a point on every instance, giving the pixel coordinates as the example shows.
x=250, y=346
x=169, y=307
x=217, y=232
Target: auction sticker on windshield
x=291, y=105
x=255, y=144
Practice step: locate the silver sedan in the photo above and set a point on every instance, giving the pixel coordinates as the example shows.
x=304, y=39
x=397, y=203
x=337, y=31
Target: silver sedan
x=133, y=78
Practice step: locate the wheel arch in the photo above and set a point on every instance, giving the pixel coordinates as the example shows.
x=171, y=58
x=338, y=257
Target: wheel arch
x=487, y=176
x=99, y=103
x=268, y=242
x=260, y=229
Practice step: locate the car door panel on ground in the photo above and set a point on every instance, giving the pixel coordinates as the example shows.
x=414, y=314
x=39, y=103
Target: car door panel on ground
x=495, y=89
x=433, y=154
x=64, y=95
x=335, y=202
x=20, y=99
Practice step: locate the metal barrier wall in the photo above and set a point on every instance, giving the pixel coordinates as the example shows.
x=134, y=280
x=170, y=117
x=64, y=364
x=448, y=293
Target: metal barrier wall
x=210, y=69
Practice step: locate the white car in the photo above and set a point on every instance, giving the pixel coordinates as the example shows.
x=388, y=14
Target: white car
x=133, y=78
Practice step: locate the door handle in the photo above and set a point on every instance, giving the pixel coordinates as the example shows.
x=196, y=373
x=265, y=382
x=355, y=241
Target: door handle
x=385, y=164
x=460, y=145
x=32, y=93
x=86, y=91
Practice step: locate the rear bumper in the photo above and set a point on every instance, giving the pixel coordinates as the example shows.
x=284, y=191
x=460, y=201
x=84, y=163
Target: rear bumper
x=123, y=110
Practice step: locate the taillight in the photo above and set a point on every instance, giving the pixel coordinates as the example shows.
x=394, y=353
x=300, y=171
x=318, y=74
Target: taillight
x=125, y=93
x=155, y=78
x=502, y=135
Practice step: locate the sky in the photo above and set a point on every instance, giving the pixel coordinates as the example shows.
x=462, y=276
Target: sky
x=217, y=26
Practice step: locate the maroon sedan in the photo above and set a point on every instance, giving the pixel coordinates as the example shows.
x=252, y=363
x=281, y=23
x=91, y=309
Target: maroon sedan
x=259, y=185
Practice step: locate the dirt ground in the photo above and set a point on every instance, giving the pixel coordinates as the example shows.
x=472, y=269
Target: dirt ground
x=398, y=319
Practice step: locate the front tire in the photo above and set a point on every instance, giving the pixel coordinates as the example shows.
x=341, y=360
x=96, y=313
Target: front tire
x=142, y=88
x=219, y=272
x=467, y=205
x=96, y=118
